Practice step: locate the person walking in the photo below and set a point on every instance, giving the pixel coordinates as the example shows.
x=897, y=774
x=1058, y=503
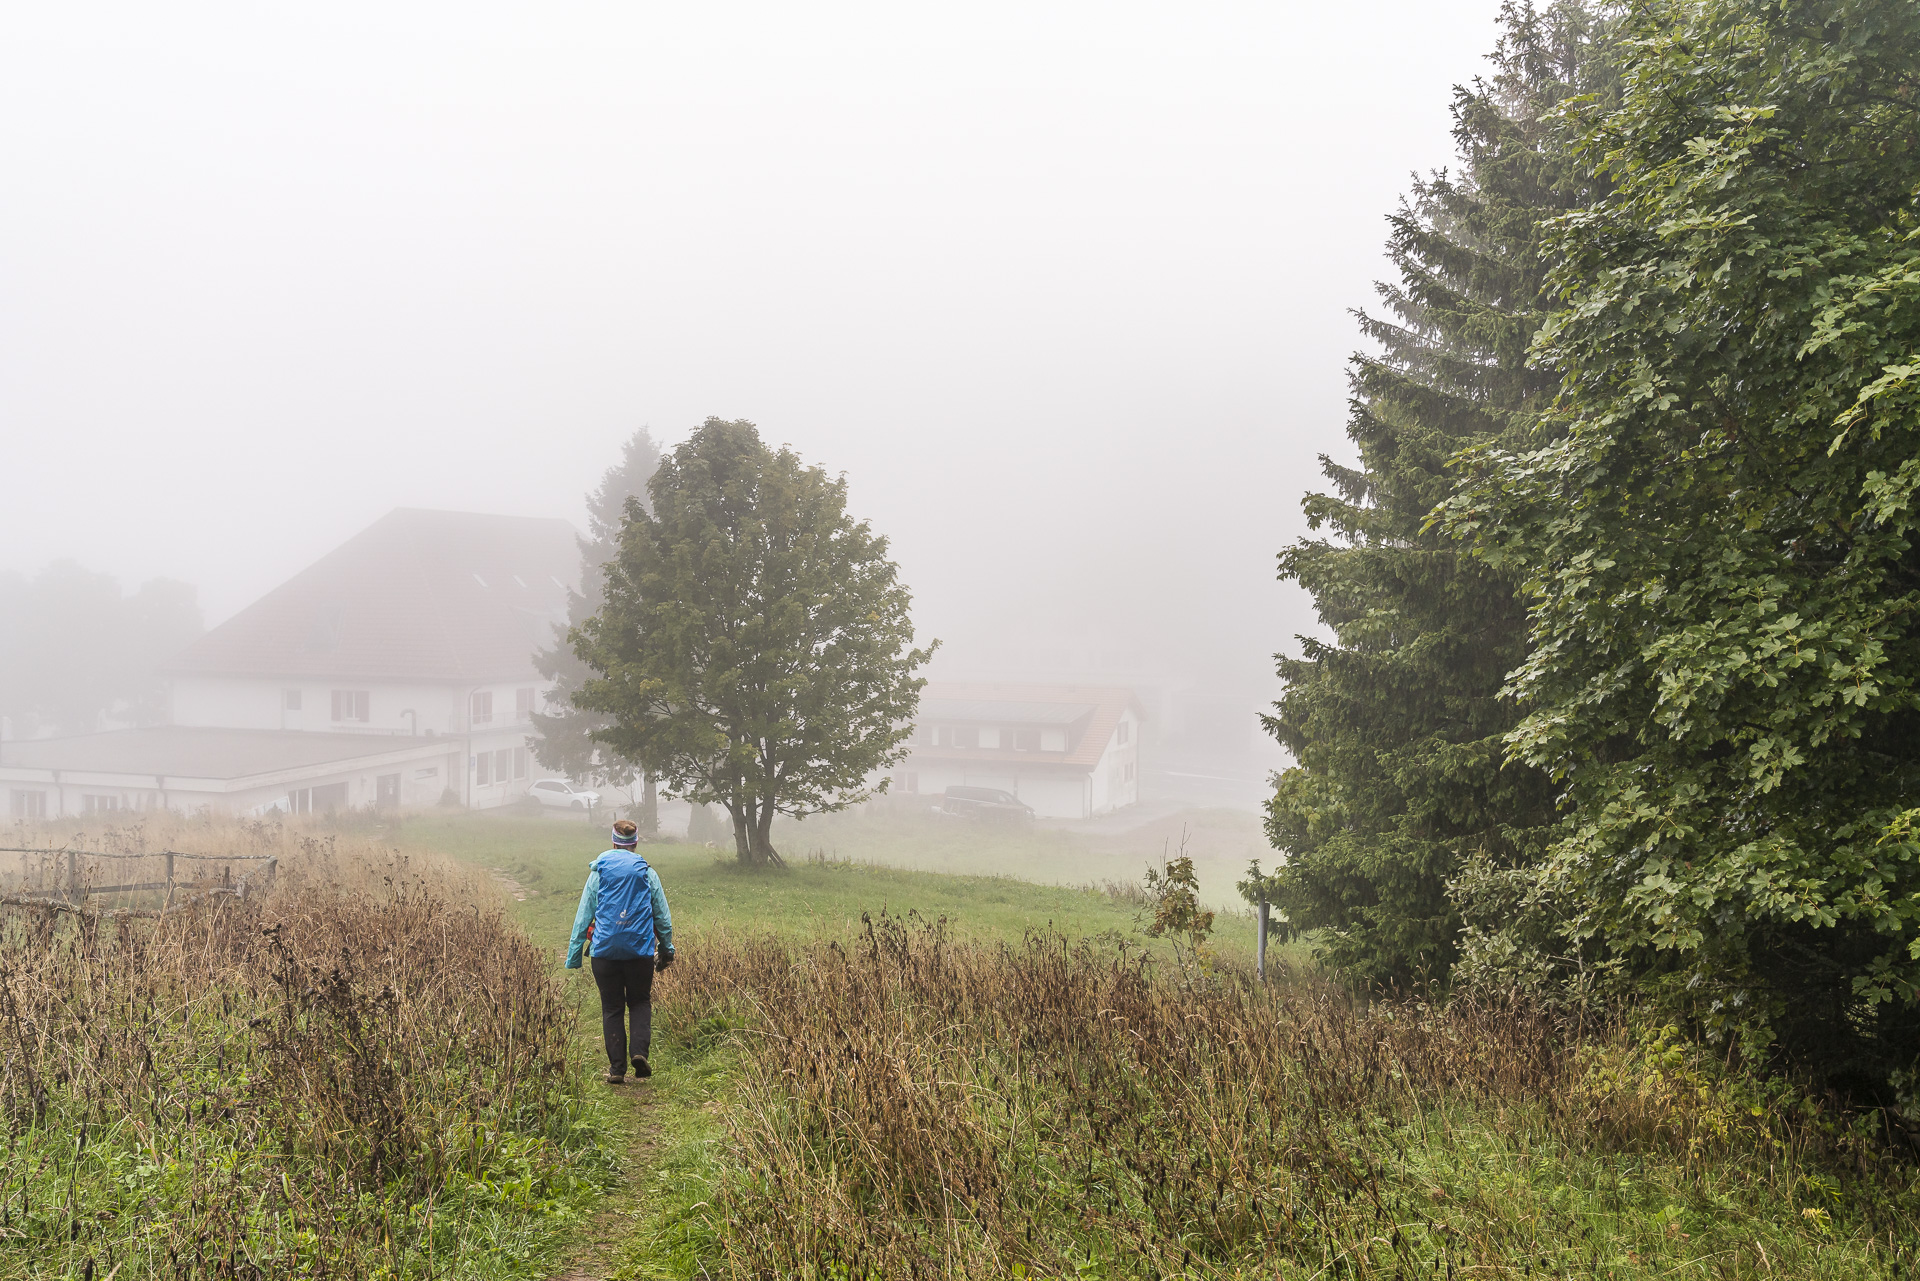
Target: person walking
x=624, y=923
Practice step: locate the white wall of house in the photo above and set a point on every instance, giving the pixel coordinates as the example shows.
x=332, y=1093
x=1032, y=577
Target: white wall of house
x=508, y=768
x=245, y=702
x=490, y=721
x=1053, y=791
x=416, y=778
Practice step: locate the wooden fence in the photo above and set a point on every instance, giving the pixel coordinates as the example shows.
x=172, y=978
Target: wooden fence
x=63, y=879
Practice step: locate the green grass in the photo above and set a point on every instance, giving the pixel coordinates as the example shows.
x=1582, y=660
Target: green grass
x=364, y=1072
x=837, y=872
x=897, y=834
x=1544, y=1180
x=827, y=886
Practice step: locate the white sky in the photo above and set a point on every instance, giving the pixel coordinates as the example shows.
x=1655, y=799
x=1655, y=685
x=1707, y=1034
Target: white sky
x=1061, y=287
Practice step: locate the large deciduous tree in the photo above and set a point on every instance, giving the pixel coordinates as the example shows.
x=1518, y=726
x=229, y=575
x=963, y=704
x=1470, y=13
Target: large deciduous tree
x=1395, y=723
x=755, y=649
x=566, y=741
x=1716, y=529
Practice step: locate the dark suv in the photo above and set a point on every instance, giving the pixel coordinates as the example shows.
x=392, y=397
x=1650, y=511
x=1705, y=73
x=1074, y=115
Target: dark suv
x=988, y=804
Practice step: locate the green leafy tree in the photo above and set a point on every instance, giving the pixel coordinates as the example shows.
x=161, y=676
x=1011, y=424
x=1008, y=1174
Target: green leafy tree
x=1395, y=724
x=566, y=739
x=76, y=650
x=1716, y=530
x=755, y=649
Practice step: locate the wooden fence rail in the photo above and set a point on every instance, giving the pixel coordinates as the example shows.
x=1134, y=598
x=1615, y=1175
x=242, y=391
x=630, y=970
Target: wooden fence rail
x=73, y=895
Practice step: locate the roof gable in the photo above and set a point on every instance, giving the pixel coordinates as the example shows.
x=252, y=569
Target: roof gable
x=1097, y=707
x=417, y=595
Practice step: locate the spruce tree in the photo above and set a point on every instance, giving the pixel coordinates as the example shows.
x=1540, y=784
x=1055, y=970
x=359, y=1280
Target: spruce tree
x=566, y=741
x=1396, y=724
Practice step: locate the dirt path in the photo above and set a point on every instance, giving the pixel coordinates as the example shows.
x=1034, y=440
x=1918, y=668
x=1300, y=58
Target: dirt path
x=604, y=1240
x=520, y=892
x=599, y=1251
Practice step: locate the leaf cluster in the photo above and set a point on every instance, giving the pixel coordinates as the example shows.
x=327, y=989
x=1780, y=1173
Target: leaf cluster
x=1714, y=527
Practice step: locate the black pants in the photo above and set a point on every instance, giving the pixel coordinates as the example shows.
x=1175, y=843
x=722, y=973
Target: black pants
x=625, y=986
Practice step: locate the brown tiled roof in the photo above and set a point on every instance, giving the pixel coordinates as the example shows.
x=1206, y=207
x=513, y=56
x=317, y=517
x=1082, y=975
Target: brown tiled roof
x=1107, y=701
x=417, y=595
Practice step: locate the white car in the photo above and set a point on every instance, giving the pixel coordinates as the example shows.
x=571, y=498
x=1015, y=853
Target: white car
x=557, y=791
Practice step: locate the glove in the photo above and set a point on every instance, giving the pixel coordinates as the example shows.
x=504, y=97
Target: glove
x=665, y=960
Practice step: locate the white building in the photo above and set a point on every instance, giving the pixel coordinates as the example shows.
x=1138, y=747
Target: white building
x=243, y=771
x=394, y=670
x=1070, y=751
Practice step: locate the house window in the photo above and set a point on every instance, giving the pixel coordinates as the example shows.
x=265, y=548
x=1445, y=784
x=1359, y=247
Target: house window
x=1053, y=740
x=523, y=705
x=966, y=736
x=430, y=771
x=519, y=762
x=1122, y=732
x=502, y=764
x=483, y=707
x=913, y=783
x=350, y=704
x=29, y=804
x=290, y=699
x=1026, y=740
x=482, y=768
x=102, y=804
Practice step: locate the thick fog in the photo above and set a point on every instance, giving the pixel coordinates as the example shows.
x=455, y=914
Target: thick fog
x=1061, y=287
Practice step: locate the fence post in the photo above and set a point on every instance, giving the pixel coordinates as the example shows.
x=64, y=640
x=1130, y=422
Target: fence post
x=1260, y=945
x=168, y=901
x=73, y=876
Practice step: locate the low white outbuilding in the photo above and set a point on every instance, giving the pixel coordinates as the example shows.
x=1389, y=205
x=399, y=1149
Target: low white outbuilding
x=1069, y=751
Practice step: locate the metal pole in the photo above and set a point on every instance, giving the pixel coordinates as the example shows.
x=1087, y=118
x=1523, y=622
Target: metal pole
x=1260, y=945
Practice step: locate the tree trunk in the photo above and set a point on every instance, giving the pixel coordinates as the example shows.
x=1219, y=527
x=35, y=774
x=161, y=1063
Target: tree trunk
x=742, y=834
x=649, y=807
x=763, y=836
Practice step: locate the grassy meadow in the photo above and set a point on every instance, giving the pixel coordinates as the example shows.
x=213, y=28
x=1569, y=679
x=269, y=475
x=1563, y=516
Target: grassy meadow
x=366, y=1071
x=380, y=1070
x=869, y=1071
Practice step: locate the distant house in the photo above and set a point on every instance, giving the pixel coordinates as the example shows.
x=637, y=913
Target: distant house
x=394, y=670
x=238, y=771
x=1070, y=751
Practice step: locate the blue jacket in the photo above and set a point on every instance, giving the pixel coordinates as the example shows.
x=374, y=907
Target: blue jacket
x=625, y=905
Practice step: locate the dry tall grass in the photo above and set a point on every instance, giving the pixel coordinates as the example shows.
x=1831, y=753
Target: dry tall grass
x=360, y=1073
x=911, y=1106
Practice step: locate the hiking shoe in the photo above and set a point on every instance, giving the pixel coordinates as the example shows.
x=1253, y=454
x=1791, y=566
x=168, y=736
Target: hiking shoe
x=641, y=1067
x=616, y=1080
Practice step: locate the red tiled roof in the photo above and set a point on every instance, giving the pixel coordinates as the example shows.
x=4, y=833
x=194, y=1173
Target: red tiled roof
x=417, y=595
x=1108, y=703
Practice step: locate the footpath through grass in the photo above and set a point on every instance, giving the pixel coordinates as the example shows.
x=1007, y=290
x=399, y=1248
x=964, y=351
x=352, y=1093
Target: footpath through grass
x=1015, y=1093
